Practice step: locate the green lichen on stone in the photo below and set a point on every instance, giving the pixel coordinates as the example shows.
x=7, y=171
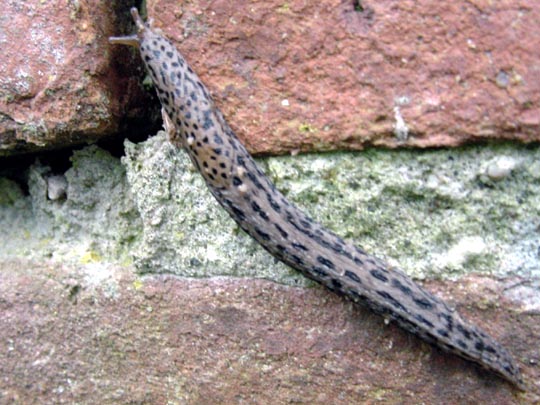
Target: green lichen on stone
x=97, y=215
x=436, y=213
x=433, y=213
x=185, y=230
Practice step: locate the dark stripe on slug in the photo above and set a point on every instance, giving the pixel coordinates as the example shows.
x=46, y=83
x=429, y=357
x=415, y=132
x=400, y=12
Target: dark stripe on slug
x=464, y=332
x=378, y=275
x=262, y=234
x=236, y=181
x=490, y=349
x=208, y=122
x=255, y=181
x=275, y=206
x=423, y=320
x=327, y=262
x=449, y=321
x=423, y=303
x=320, y=272
x=404, y=289
x=442, y=333
x=340, y=250
x=258, y=210
x=297, y=260
x=392, y=300
x=217, y=139
x=318, y=239
x=299, y=246
x=282, y=232
x=353, y=276
x=238, y=212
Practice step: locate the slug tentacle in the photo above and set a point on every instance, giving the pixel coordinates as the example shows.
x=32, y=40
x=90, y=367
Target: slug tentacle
x=243, y=190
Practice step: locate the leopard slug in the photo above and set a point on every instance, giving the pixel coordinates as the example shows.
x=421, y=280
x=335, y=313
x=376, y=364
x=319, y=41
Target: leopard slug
x=242, y=189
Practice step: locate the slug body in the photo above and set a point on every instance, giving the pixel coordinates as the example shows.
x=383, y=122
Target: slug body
x=286, y=232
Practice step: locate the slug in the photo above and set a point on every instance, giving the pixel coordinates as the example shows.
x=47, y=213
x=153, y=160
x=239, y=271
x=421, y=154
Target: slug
x=242, y=189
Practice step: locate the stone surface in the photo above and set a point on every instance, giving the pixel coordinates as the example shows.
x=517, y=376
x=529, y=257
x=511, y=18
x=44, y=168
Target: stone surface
x=96, y=220
x=60, y=84
x=66, y=338
x=289, y=76
x=80, y=324
x=301, y=75
x=436, y=214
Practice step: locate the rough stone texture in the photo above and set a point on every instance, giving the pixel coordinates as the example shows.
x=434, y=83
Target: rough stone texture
x=301, y=75
x=83, y=324
x=96, y=219
x=69, y=336
x=436, y=214
x=289, y=76
x=58, y=85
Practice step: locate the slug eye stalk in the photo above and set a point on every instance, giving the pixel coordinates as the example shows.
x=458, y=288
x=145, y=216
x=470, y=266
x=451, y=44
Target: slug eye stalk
x=135, y=39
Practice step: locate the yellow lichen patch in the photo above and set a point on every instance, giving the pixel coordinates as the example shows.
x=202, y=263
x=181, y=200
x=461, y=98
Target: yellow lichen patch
x=138, y=284
x=284, y=8
x=90, y=257
x=306, y=128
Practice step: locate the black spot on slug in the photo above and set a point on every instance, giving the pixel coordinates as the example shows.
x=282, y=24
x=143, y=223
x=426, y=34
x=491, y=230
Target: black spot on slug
x=236, y=181
x=217, y=139
x=353, y=276
x=297, y=260
x=238, y=213
x=262, y=234
x=299, y=246
x=442, y=333
x=319, y=272
x=423, y=320
x=275, y=206
x=255, y=180
x=423, y=303
x=256, y=207
x=464, y=332
x=395, y=303
x=207, y=120
x=404, y=289
x=378, y=275
x=449, y=321
x=282, y=232
x=327, y=262
x=489, y=349
x=358, y=261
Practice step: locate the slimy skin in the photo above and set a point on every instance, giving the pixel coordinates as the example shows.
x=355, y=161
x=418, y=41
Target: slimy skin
x=239, y=185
